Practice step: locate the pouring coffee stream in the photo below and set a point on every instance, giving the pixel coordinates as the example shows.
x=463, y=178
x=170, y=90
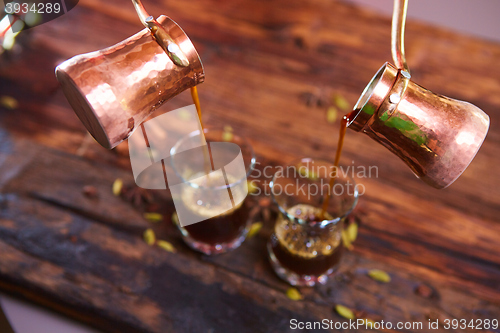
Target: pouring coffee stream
x=114, y=90
x=207, y=156
x=177, y=56
x=398, y=55
x=436, y=136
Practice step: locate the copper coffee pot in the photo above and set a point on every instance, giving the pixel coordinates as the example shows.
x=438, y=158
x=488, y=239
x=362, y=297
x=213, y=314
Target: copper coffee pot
x=436, y=136
x=115, y=89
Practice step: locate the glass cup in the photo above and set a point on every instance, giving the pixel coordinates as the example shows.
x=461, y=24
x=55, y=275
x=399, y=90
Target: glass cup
x=215, y=233
x=306, y=245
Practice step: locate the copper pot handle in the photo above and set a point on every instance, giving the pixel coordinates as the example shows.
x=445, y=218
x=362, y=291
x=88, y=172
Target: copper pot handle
x=161, y=36
x=398, y=34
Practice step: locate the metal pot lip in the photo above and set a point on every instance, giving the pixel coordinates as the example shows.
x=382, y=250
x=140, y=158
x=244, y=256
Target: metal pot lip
x=373, y=95
x=186, y=45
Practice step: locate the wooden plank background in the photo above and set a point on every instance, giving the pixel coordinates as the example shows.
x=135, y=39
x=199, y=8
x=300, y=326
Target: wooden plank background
x=267, y=64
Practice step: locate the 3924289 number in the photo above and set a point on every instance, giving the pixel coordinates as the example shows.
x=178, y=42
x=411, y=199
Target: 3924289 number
x=37, y=8
x=477, y=324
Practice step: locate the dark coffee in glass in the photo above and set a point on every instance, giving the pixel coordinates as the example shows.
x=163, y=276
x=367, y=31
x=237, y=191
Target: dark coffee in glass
x=214, y=192
x=306, y=245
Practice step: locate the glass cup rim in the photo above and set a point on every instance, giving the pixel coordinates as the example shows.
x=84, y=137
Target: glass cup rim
x=325, y=222
x=251, y=165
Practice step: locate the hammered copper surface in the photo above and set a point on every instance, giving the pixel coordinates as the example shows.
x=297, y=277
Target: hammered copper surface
x=115, y=89
x=436, y=136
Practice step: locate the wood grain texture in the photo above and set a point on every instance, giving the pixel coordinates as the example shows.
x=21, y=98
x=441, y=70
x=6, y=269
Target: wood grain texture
x=56, y=250
x=85, y=257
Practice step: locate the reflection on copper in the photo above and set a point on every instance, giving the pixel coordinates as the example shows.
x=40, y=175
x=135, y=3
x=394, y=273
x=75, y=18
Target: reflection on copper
x=115, y=89
x=436, y=136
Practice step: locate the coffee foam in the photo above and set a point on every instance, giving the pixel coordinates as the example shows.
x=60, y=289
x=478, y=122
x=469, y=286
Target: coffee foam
x=295, y=238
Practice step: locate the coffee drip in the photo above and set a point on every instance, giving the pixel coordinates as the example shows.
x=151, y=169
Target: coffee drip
x=112, y=92
x=436, y=136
